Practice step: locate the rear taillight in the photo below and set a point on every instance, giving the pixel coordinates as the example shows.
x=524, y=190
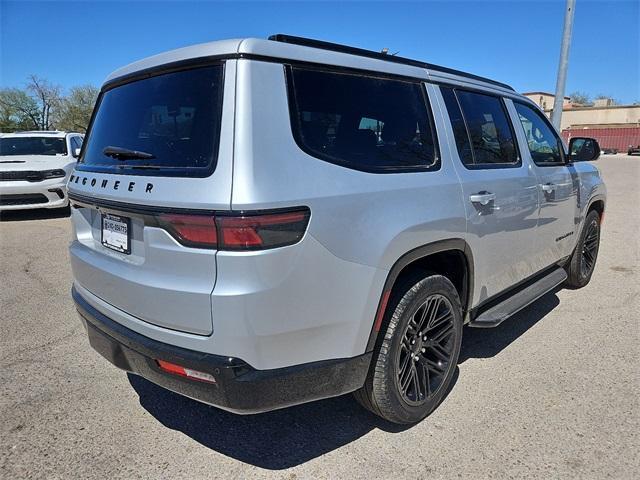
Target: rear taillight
x=256, y=232
x=247, y=231
x=191, y=230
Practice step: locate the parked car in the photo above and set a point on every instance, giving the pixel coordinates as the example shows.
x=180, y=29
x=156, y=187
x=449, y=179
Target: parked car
x=609, y=151
x=633, y=149
x=35, y=167
x=262, y=223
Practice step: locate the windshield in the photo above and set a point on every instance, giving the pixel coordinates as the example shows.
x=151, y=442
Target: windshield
x=168, y=124
x=32, y=146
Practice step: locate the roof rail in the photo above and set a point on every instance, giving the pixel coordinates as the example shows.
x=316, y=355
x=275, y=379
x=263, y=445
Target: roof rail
x=336, y=47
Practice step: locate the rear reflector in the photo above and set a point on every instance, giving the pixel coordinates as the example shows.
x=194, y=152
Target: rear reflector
x=381, y=309
x=248, y=231
x=185, y=372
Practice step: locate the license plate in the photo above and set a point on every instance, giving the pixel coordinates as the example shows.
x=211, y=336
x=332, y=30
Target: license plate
x=116, y=233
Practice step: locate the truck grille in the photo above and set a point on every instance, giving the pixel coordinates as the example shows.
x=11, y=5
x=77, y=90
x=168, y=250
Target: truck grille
x=27, y=175
x=23, y=199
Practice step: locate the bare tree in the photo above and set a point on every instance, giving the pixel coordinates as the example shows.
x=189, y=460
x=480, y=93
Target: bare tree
x=48, y=97
x=604, y=96
x=580, y=98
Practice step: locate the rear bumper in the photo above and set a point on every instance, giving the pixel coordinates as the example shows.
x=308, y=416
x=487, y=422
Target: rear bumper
x=239, y=387
x=21, y=195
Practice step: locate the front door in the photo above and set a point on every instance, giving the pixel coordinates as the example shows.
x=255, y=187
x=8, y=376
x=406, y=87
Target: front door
x=557, y=190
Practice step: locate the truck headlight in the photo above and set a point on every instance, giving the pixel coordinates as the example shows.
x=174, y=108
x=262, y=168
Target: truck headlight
x=57, y=173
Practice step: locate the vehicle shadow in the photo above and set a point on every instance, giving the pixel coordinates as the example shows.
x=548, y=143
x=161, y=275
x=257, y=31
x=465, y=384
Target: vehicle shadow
x=273, y=440
x=295, y=435
x=35, y=214
x=488, y=342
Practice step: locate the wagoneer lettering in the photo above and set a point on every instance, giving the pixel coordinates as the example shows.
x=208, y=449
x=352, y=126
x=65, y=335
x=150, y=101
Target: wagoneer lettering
x=104, y=183
x=326, y=220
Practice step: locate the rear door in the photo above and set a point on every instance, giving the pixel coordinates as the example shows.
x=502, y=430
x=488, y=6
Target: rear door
x=155, y=165
x=499, y=189
x=557, y=194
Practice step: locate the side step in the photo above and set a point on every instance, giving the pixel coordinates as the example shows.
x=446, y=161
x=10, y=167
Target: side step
x=513, y=304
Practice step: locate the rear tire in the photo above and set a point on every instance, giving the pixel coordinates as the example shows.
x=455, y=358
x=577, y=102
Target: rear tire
x=583, y=260
x=416, y=357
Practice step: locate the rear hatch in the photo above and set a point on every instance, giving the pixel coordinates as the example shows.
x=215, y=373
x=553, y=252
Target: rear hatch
x=155, y=165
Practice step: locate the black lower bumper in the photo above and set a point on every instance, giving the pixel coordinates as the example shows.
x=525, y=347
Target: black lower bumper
x=239, y=387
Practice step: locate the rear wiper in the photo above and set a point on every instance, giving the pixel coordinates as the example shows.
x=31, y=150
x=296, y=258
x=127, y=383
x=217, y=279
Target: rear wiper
x=120, y=153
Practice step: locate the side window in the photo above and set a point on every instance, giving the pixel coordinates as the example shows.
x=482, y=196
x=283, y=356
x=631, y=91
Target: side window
x=459, y=129
x=364, y=123
x=492, y=139
x=545, y=146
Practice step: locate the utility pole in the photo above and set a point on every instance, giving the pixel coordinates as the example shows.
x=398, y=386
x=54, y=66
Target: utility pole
x=556, y=115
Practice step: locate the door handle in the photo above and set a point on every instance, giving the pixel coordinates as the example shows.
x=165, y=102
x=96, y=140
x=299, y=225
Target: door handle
x=548, y=187
x=483, y=198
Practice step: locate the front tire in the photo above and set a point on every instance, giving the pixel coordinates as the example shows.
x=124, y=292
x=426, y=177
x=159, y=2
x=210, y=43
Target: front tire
x=414, y=363
x=583, y=260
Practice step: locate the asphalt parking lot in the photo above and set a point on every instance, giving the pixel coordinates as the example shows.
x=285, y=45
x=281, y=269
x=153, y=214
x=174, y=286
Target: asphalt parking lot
x=553, y=393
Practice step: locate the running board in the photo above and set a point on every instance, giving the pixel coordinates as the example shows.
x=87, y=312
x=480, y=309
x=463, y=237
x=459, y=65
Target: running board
x=503, y=310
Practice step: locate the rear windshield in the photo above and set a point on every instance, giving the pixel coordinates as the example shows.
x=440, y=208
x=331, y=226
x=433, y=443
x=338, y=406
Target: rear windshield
x=32, y=146
x=163, y=125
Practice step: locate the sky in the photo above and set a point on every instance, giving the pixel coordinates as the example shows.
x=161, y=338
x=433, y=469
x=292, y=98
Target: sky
x=516, y=42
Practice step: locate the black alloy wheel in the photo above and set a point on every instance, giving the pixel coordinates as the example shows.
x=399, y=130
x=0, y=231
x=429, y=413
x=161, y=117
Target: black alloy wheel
x=416, y=354
x=590, y=248
x=426, y=350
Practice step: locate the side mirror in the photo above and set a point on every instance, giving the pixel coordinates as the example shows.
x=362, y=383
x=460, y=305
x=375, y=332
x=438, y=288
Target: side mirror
x=76, y=152
x=583, y=149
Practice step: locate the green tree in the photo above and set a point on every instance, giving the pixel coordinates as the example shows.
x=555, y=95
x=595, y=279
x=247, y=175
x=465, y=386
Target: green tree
x=75, y=108
x=18, y=111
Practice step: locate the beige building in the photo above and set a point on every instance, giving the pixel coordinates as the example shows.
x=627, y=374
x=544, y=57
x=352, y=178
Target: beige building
x=615, y=126
x=545, y=100
x=603, y=113
x=609, y=116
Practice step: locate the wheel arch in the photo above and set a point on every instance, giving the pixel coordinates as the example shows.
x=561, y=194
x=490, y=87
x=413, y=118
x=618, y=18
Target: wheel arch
x=597, y=203
x=433, y=257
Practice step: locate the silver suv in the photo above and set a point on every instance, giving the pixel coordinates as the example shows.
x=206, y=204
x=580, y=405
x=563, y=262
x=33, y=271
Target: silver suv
x=261, y=223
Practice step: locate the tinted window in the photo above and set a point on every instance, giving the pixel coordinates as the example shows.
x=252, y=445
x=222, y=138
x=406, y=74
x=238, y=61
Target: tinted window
x=33, y=146
x=457, y=123
x=492, y=140
x=544, y=144
x=365, y=123
x=175, y=117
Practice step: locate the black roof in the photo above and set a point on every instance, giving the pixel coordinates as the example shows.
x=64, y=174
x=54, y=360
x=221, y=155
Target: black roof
x=336, y=47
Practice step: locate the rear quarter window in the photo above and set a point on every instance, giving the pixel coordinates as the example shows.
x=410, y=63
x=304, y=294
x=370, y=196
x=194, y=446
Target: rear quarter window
x=361, y=122
x=174, y=117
